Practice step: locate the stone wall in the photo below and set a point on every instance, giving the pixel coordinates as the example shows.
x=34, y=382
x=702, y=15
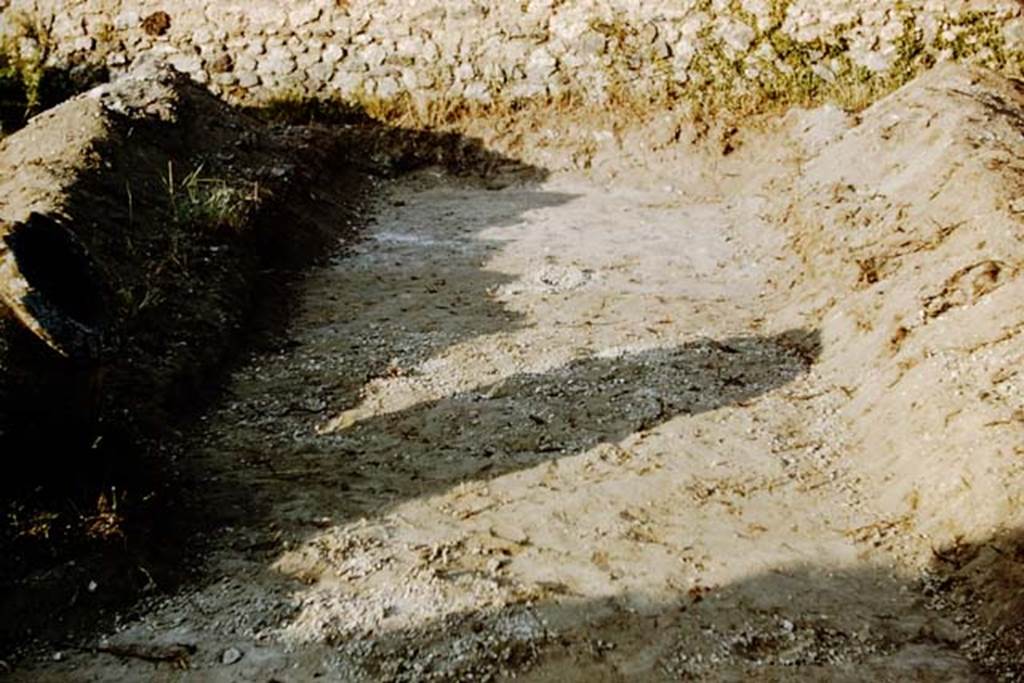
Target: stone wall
x=467, y=50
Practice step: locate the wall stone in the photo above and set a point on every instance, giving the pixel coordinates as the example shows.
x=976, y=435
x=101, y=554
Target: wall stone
x=442, y=50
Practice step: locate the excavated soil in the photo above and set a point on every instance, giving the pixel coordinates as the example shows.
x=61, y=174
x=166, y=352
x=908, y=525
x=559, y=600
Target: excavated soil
x=754, y=416
x=108, y=257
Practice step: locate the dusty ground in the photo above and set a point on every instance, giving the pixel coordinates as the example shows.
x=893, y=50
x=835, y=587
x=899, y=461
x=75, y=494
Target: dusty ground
x=569, y=430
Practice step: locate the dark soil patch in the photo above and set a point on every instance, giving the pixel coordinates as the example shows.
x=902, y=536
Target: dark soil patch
x=90, y=517
x=102, y=506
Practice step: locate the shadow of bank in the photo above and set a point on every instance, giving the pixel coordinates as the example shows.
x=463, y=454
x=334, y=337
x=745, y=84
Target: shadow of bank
x=95, y=489
x=799, y=622
x=526, y=419
x=795, y=622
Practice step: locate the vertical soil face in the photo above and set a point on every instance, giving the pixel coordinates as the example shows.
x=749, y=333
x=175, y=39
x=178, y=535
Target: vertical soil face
x=566, y=429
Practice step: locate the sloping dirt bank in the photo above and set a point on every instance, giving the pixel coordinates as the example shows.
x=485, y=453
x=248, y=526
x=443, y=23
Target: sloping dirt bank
x=139, y=222
x=756, y=419
x=909, y=228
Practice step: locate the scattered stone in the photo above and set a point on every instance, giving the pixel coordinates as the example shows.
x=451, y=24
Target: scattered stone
x=83, y=44
x=225, y=79
x=333, y=54
x=648, y=34
x=373, y=54
x=256, y=47
x=248, y=79
x=552, y=48
x=304, y=15
x=157, y=23
x=245, y=62
x=277, y=62
x=202, y=37
x=222, y=64
x=736, y=35
x=126, y=20
x=824, y=73
x=232, y=655
x=388, y=88
x=876, y=62
x=541, y=65
x=593, y=43
x=477, y=91
x=307, y=60
x=186, y=63
x=321, y=73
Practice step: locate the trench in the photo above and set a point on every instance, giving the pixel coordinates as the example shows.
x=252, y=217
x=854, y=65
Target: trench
x=596, y=424
x=535, y=429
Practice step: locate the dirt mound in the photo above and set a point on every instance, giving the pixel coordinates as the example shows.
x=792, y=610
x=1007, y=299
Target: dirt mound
x=909, y=229
x=135, y=218
x=138, y=225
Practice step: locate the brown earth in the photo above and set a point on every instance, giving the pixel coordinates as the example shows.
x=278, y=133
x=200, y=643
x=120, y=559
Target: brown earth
x=683, y=416
x=148, y=233
x=116, y=245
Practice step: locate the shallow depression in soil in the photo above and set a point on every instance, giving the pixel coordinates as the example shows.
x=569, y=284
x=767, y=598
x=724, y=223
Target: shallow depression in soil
x=543, y=430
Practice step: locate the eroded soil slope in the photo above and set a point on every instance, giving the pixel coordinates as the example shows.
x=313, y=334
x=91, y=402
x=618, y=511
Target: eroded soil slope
x=909, y=231
x=575, y=431
x=140, y=226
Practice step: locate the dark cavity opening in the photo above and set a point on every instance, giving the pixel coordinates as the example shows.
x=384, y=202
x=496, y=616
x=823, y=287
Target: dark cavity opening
x=58, y=268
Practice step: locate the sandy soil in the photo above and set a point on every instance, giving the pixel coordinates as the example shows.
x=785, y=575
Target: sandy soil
x=567, y=430
x=541, y=424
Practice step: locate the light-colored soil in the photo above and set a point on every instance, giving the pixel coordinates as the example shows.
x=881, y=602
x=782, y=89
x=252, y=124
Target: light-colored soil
x=566, y=431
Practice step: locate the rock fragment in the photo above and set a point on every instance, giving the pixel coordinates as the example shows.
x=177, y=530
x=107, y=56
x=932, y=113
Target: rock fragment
x=157, y=23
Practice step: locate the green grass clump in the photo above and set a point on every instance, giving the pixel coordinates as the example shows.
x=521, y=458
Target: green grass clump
x=207, y=203
x=14, y=97
x=24, y=49
x=29, y=83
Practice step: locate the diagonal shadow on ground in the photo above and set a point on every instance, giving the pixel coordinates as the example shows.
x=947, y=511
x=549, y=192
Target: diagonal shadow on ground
x=170, y=494
x=867, y=623
x=525, y=419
